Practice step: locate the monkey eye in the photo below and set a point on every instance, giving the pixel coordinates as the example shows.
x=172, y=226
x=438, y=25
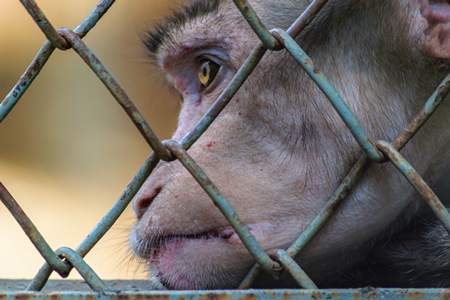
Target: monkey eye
x=207, y=73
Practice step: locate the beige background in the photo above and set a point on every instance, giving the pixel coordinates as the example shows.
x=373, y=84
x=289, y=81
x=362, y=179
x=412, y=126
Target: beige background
x=67, y=149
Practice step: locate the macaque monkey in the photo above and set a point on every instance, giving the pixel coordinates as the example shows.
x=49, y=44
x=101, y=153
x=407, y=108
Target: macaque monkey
x=279, y=149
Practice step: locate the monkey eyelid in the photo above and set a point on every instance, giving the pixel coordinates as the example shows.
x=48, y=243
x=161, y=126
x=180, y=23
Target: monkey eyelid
x=188, y=61
x=195, y=51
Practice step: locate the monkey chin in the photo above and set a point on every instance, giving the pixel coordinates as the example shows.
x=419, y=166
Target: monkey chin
x=211, y=260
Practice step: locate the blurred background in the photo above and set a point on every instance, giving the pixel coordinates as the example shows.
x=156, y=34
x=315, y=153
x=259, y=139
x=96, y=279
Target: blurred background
x=67, y=149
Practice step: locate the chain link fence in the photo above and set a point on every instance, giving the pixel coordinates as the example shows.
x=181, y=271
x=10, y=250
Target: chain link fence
x=64, y=259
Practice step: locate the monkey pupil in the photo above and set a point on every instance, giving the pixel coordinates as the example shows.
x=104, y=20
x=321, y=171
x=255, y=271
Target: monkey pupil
x=206, y=73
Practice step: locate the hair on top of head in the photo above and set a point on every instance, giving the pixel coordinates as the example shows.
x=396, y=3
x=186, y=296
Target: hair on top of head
x=165, y=29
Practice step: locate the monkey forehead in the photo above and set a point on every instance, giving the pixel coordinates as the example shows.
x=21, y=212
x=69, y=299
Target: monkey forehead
x=213, y=22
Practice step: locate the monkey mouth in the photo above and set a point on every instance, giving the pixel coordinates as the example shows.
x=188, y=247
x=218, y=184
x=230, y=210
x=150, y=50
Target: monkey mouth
x=148, y=248
x=222, y=233
x=207, y=259
x=167, y=255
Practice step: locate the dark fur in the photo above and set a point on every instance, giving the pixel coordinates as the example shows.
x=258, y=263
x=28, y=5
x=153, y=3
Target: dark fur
x=418, y=256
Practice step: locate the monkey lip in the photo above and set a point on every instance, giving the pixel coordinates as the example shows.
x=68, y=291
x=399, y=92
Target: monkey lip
x=223, y=233
x=168, y=253
x=148, y=248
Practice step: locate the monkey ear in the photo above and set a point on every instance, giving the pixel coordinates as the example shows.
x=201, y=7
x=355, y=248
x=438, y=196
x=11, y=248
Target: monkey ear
x=435, y=19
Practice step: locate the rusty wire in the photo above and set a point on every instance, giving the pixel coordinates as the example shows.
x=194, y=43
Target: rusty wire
x=64, y=259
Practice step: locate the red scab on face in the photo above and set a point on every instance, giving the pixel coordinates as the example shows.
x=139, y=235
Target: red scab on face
x=237, y=100
x=239, y=113
x=198, y=102
x=209, y=145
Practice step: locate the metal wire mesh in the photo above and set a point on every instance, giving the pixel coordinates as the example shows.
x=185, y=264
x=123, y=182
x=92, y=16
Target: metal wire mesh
x=64, y=259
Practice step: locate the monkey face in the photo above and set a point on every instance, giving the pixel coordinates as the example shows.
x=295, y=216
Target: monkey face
x=279, y=150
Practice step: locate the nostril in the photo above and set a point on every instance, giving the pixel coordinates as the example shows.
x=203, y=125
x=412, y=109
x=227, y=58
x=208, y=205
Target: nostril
x=144, y=202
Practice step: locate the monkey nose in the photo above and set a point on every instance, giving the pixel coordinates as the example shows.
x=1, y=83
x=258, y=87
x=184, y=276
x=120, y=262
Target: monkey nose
x=142, y=203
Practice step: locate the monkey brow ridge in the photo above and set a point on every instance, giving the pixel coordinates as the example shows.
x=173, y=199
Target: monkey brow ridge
x=166, y=28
